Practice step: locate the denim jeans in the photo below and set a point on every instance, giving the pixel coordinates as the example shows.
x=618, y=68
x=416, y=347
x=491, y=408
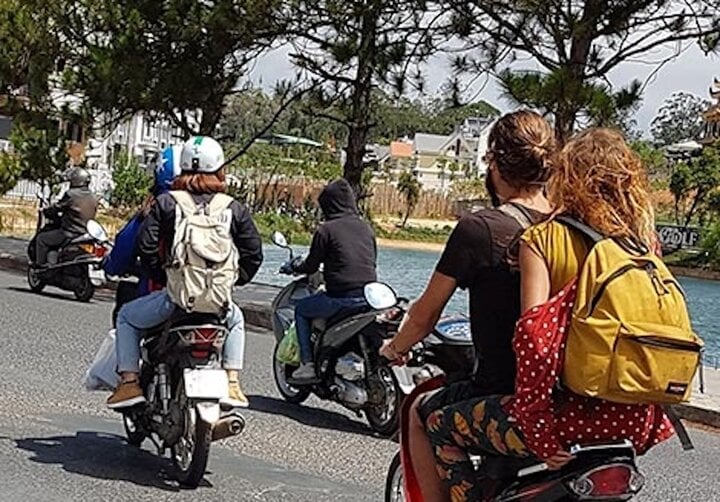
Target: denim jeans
x=154, y=309
x=320, y=306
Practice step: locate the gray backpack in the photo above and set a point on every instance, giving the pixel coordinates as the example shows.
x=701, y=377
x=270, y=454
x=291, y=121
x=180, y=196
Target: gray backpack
x=203, y=266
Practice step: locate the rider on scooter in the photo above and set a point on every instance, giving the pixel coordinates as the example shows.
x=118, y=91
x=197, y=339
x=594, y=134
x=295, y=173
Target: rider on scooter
x=345, y=244
x=124, y=260
x=203, y=175
x=75, y=209
x=477, y=257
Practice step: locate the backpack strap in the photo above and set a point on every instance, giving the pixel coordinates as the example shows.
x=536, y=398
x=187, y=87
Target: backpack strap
x=219, y=203
x=517, y=212
x=679, y=427
x=184, y=201
x=520, y=214
x=570, y=222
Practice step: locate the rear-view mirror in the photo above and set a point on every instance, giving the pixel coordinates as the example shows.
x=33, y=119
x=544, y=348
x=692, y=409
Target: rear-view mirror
x=380, y=296
x=96, y=231
x=280, y=240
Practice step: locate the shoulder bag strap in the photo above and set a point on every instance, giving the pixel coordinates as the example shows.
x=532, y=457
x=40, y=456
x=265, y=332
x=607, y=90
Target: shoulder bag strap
x=570, y=222
x=679, y=427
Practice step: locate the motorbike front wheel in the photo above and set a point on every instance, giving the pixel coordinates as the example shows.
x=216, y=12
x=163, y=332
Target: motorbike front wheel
x=190, y=453
x=36, y=284
x=394, y=481
x=384, y=415
x=288, y=392
x=135, y=436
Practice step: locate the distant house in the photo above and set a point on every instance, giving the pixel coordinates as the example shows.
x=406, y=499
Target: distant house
x=440, y=160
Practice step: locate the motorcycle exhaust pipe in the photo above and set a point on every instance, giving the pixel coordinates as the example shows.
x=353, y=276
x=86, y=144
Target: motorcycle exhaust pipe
x=231, y=425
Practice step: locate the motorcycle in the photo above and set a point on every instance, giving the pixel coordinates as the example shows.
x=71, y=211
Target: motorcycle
x=606, y=472
x=350, y=370
x=183, y=383
x=76, y=266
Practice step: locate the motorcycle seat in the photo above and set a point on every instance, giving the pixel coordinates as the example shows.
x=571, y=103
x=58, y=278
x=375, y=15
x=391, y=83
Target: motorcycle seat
x=321, y=325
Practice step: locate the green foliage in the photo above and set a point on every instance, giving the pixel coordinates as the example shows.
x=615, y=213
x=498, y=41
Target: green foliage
x=710, y=244
x=10, y=170
x=692, y=184
x=165, y=57
x=131, y=183
x=409, y=187
x=679, y=118
x=652, y=158
x=573, y=48
x=436, y=235
x=30, y=50
x=350, y=48
x=297, y=231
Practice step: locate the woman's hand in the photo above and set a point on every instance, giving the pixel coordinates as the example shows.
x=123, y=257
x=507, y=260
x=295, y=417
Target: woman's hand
x=559, y=460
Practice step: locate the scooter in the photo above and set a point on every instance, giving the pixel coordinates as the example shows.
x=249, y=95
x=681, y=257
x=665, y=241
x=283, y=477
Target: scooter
x=602, y=472
x=183, y=383
x=350, y=370
x=76, y=266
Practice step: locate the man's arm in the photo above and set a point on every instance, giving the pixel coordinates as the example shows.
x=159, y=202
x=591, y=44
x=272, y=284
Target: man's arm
x=315, y=257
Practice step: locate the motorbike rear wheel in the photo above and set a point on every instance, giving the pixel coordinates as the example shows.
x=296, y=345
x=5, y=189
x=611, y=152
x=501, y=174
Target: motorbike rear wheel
x=135, y=436
x=190, y=453
x=34, y=282
x=384, y=417
x=289, y=393
x=394, y=481
x=85, y=290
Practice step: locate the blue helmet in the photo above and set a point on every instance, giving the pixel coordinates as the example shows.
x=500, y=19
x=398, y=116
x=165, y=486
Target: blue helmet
x=167, y=169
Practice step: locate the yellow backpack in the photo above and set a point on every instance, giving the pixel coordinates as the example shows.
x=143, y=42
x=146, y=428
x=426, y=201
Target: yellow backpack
x=630, y=339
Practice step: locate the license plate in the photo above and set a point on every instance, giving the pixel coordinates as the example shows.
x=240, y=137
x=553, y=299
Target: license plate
x=97, y=276
x=206, y=383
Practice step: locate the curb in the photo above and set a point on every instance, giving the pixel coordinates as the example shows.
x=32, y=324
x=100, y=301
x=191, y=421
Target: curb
x=256, y=314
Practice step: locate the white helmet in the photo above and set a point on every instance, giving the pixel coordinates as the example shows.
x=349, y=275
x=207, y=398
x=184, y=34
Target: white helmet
x=201, y=154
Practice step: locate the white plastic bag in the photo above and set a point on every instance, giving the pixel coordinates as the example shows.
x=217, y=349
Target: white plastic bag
x=102, y=374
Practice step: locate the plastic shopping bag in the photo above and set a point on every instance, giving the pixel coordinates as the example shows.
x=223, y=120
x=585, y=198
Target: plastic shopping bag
x=288, y=350
x=102, y=374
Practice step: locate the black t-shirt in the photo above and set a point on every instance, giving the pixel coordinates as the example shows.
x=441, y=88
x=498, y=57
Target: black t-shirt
x=476, y=257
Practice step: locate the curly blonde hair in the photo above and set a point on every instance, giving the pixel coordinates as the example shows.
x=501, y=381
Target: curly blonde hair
x=602, y=182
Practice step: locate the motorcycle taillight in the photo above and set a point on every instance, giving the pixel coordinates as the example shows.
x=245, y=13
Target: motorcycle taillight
x=613, y=480
x=99, y=251
x=205, y=336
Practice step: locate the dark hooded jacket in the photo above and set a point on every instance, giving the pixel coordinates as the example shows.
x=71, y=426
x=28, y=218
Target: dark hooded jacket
x=344, y=243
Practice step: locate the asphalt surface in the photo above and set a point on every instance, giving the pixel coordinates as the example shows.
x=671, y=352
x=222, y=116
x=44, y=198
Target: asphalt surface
x=59, y=443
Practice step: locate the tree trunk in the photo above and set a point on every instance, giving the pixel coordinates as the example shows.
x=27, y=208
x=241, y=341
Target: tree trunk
x=359, y=119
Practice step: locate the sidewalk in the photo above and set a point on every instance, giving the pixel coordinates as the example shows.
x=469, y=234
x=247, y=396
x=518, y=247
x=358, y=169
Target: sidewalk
x=256, y=299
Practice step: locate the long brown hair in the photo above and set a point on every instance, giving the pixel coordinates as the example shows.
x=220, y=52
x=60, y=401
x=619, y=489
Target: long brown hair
x=201, y=182
x=523, y=147
x=601, y=181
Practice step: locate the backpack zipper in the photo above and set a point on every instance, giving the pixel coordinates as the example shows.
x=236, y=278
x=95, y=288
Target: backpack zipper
x=649, y=268
x=664, y=344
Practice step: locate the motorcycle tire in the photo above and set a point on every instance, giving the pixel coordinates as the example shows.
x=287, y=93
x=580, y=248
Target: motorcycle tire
x=394, y=481
x=85, y=290
x=288, y=392
x=190, y=471
x=34, y=282
x=386, y=422
x=134, y=436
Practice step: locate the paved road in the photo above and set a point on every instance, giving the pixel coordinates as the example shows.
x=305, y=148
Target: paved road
x=59, y=443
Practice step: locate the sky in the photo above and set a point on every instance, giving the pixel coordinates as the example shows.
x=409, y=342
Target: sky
x=691, y=72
